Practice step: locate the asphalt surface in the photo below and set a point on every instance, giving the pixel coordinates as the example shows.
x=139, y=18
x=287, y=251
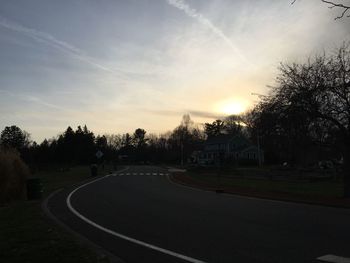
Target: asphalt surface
x=202, y=225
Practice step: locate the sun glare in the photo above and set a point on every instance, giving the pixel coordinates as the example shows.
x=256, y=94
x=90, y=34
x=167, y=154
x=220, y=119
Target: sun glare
x=231, y=107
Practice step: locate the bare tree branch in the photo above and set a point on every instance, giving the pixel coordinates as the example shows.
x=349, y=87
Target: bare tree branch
x=332, y=4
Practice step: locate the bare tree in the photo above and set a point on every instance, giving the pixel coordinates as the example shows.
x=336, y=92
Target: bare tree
x=332, y=4
x=345, y=8
x=317, y=93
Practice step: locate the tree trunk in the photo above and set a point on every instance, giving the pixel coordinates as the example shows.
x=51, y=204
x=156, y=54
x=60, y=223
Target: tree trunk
x=346, y=172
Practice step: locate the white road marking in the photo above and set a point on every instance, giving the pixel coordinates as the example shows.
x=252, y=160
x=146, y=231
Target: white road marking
x=134, y=174
x=161, y=174
x=154, y=174
x=130, y=239
x=148, y=174
x=334, y=258
x=127, y=174
x=141, y=173
x=121, y=174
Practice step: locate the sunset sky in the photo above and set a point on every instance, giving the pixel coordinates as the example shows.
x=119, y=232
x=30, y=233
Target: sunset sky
x=120, y=65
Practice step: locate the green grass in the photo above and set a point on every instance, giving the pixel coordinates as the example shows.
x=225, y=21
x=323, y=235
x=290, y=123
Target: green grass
x=27, y=235
x=320, y=188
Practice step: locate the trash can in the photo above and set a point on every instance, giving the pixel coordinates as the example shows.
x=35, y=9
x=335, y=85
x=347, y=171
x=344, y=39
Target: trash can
x=34, y=188
x=93, y=169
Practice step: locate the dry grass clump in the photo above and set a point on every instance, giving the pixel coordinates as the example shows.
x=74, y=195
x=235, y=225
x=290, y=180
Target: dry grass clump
x=13, y=175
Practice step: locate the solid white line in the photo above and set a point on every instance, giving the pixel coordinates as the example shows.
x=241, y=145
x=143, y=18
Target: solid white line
x=334, y=258
x=130, y=239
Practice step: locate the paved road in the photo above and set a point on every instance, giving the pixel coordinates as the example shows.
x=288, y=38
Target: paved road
x=141, y=203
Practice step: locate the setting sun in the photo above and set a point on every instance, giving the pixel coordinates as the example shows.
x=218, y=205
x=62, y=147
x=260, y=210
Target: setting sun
x=231, y=107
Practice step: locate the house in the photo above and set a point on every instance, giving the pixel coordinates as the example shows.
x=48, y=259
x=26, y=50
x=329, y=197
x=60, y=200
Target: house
x=228, y=148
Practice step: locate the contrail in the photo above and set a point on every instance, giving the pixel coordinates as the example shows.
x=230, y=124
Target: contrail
x=191, y=12
x=50, y=40
x=31, y=98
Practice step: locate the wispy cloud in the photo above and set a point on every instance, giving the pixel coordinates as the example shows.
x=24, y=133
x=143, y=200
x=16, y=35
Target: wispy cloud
x=191, y=12
x=193, y=113
x=32, y=99
x=52, y=41
x=205, y=114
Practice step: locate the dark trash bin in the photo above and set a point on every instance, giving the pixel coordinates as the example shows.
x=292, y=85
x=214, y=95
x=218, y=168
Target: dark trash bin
x=93, y=169
x=34, y=188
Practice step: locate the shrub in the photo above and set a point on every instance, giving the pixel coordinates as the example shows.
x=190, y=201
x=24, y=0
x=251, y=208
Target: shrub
x=13, y=174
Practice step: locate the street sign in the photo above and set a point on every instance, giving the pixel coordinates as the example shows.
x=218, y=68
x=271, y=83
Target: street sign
x=99, y=154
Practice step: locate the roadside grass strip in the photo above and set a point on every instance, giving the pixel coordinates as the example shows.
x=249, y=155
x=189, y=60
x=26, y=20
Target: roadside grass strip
x=334, y=259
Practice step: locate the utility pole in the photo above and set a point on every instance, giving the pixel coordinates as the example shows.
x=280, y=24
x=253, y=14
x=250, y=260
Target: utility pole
x=258, y=142
x=261, y=96
x=182, y=154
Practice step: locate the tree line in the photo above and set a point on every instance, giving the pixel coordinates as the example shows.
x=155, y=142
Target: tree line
x=79, y=146
x=304, y=118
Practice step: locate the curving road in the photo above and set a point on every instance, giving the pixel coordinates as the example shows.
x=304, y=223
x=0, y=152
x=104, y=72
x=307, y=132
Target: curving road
x=139, y=215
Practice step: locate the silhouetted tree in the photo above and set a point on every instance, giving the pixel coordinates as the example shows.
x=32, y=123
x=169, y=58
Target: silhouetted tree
x=14, y=137
x=184, y=139
x=139, y=138
x=214, y=129
x=310, y=95
x=233, y=125
x=114, y=141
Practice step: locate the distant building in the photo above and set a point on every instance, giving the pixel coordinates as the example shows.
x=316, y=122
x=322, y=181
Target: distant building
x=228, y=148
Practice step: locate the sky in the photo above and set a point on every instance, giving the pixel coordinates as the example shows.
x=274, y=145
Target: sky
x=120, y=65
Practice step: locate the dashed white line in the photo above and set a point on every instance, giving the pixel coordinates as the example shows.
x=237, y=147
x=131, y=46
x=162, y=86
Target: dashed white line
x=334, y=259
x=161, y=174
x=130, y=239
x=127, y=174
x=134, y=173
x=141, y=173
x=154, y=173
x=148, y=174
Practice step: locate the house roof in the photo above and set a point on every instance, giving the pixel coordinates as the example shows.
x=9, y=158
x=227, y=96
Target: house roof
x=224, y=138
x=251, y=148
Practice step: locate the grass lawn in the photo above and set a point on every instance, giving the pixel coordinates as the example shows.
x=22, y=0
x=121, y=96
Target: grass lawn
x=27, y=235
x=319, y=188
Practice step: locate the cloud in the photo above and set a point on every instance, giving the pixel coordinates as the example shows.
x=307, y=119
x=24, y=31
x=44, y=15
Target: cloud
x=193, y=113
x=33, y=99
x=191, y=12
x=205, y=114
x=52, y=41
